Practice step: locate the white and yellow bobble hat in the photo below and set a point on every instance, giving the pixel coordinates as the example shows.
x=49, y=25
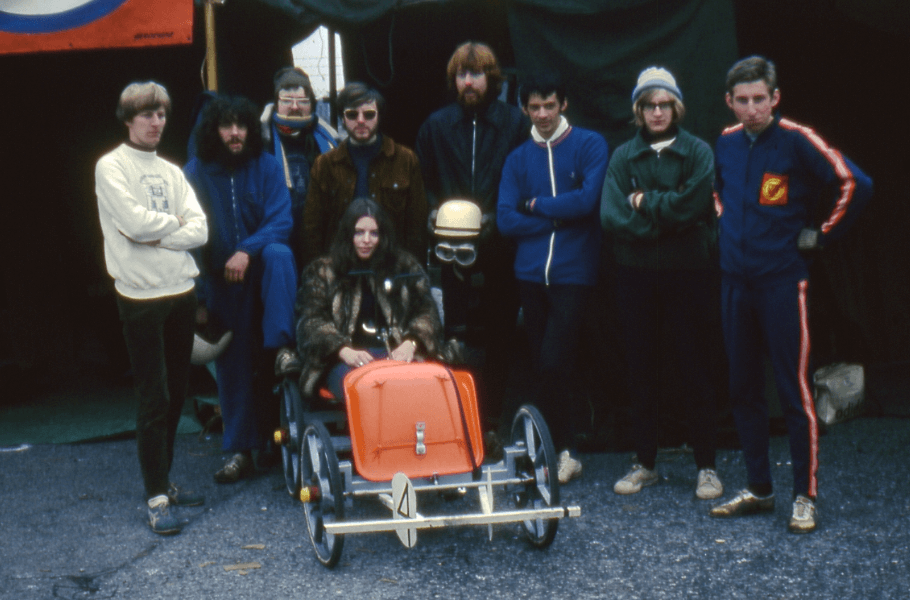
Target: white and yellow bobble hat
x=655, y=77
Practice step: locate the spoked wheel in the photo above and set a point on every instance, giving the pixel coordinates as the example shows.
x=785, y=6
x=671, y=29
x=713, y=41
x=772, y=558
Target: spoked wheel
x=319, y=472
x=529, y=431
x=290, y=431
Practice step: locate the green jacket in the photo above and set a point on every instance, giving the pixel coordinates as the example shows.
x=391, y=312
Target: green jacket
x=675, y=225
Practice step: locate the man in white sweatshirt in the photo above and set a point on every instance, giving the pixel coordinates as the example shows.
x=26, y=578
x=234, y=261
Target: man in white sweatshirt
x=150, y=219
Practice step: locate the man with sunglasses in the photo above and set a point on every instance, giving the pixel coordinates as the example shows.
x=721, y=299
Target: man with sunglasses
x=295, y=136
x=366, y=164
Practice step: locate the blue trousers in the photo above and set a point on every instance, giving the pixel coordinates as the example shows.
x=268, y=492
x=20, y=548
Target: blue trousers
x=334, y=381
x=260, y=312
x=772, y=320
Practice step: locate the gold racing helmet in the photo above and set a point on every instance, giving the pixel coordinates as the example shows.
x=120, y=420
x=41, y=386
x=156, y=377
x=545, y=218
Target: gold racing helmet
x=457, y=227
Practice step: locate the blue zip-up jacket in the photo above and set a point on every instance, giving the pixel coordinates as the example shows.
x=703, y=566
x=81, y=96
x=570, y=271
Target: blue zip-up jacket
x=247, y=208
x=769, y=189
x=559, y=242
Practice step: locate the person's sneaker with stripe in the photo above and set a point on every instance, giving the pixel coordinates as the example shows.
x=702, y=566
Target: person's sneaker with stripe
x=161, y=519
x=709, y=486
x=803, y=517
x=637, y=478
x=744, y=503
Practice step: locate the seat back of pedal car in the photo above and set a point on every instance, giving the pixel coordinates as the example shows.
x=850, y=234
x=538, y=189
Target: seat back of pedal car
x=417, y=418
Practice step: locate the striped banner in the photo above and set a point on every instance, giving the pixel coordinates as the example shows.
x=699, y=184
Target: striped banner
x=51, y=25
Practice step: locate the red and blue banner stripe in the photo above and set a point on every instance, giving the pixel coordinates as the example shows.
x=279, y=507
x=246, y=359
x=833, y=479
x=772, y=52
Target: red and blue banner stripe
x=50, y=25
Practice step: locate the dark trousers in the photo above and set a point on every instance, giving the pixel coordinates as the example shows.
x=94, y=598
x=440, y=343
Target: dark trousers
x=772, y=320
x=481, y=309
x=159, y=339
x=554, y=316
x=669, y=306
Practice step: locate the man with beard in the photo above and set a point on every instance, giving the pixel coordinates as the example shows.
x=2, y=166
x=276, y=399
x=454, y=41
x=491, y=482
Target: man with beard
x=462, y=149
x=295, y=136
x=248, y=271
x=367, y=164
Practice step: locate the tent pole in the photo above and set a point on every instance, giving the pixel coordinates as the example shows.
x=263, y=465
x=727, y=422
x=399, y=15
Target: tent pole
x=211, y=59
x=333, y=85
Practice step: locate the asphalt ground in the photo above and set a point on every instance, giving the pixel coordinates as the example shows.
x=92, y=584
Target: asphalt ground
x=73, y=525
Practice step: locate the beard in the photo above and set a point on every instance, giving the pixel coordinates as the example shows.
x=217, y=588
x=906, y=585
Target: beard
x=473, y=101
x=231, y=160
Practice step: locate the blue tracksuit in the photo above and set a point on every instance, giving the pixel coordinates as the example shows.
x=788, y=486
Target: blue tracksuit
x=768, y=190
x=560, y=242
x=249, y=210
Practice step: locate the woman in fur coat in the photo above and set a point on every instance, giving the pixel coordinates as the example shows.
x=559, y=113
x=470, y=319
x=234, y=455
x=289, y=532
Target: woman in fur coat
x=367, y=299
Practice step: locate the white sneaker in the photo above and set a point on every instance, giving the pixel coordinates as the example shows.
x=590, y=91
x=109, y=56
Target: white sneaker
x=709, y=485
x=637, y=478
x=803, y=518
x=568, y=468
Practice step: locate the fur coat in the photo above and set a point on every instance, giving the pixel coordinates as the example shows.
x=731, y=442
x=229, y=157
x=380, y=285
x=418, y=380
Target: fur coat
x=328, y=305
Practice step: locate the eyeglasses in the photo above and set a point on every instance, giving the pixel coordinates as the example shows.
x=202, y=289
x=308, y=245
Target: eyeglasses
x=463, y=254
x=663, y=106
x=352, y=114
x=302, y=102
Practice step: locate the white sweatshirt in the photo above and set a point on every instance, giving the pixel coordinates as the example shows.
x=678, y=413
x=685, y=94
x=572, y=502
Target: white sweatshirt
x=139, y=198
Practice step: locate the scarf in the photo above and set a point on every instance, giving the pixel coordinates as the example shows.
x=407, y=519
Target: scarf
x=291, y=127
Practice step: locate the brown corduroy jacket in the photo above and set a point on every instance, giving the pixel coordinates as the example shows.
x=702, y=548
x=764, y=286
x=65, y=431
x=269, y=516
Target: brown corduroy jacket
x=396, y=184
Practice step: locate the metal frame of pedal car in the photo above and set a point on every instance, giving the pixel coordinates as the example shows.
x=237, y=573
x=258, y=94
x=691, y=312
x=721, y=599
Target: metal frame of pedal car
x=327, y=485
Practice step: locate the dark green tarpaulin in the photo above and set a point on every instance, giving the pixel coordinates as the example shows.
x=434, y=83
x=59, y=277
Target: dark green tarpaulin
x=600, y=54
x=837, y=60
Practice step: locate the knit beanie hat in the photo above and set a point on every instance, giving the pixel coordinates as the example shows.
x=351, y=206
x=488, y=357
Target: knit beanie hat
x=290, y=78
x=655, y=78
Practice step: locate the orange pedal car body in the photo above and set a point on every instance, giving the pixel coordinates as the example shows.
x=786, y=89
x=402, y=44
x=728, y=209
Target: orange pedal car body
x=417, y=418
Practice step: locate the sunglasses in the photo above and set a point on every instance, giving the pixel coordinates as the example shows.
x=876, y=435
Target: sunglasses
x=351, y=114
x=463, y=254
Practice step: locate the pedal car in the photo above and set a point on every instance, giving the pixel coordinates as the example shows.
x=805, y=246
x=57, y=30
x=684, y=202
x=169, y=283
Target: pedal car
x=410, y=429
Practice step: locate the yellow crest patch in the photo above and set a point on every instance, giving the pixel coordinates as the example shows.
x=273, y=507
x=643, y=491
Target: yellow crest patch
x=773, y=190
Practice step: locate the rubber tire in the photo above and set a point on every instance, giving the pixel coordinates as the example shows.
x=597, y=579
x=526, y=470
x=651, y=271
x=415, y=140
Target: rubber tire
x=319, y=468
x=530, y=431
x=291, y=415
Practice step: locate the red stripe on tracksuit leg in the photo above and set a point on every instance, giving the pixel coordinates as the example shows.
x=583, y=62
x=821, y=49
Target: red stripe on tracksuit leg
x=805, y=389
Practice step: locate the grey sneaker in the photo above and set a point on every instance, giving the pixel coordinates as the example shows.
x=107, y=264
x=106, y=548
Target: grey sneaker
x=744, y=503
x=709, y=485
x=161, y=519
x=568, y=467
x=803, y=518
x=637, y=478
